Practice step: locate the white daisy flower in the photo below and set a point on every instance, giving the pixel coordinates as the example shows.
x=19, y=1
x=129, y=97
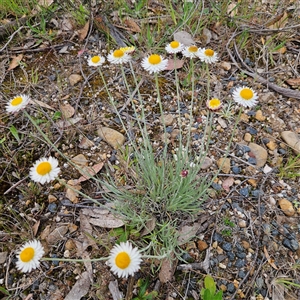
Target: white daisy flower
x=96, y=61
x=245, y=96
x=124, y=260
x=118, y=57
x=17, y=103
x=208, y=55
x=44, y=170
x=29, y=256
x=191, y=51
x=214, y=104
x=174, y=47
x=154, y=63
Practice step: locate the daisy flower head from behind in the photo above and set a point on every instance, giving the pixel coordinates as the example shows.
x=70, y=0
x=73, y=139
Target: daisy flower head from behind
x=17, y=103
x=154, y=63
x=44, y=170
x=245, y=96
x=124, y=260
x=29, y=256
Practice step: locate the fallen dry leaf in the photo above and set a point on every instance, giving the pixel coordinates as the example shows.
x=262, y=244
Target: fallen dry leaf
x=84, y=31
x=15, y=62
x=174, y=64
x=88, y=172
x=206, y=36
x=41, y=104
x=150, y=225
x=293, y=81
x=62, y=124
x=167, y=269
x=227, y=183
x=132, y=25
x=74, y=79
x=56, y=235
x=102, y=218
x=269, y=259
x=184, y=38
x=35, y=227
x=80, y=288
x=85, y=143
x=71, y=192
x=80, y=160
x=67, y=110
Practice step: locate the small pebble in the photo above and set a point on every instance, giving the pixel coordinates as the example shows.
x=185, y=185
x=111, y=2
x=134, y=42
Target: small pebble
x=239, y=263
x=231, y=256
x=218, y=237
x=242, y=274
x=52, y=207
x=226, y=246
x=251, y=130
x=293, y=245
x=244, y=192
x=252, y=160
x=236, y=170
x=231, y=288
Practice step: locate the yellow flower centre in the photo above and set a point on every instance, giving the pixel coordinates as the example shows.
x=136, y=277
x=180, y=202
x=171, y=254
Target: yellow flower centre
x=209, y=52
x=27, y=254
x=95, y=59
x=246, y=94
x=193, y=49
x=214, y=103
x=118, y=53
x=16, y=101
x=44, y=168
x=122, y=260
x=174, y=44
x=154, y=59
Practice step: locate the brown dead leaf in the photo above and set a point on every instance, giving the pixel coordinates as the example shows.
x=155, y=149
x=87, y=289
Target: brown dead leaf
x=80, y=160
x=232, y=9
x=71, y=192
x=102, y=218
x=269, y=259
x=184, y=38
x=293, y=81
x=67, y=110
x=15, y=62
x=174, y=64
x=150, y=225
x=85, y=143
x=63, y=124
x=279, y=21
x=35, y=227
x=132, y=25
x=167, y=269
x=84, y=31
x=88, y=172
x=186, y=233
x=56, y=235
x=227, y=183
x=41, y=104
x=80, y=288
x=206, y=36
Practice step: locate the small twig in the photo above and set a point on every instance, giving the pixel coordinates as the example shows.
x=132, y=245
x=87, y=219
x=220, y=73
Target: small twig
x=131, y=96
x=15, y=185
x=10, y=38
